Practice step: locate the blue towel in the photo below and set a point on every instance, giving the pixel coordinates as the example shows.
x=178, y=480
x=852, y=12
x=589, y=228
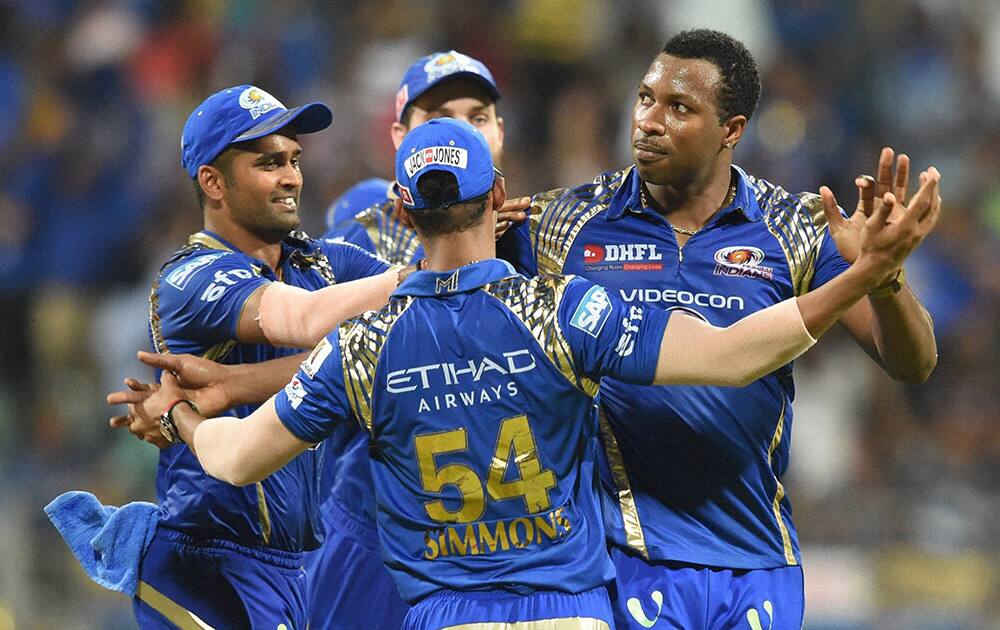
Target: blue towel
x=108, y=541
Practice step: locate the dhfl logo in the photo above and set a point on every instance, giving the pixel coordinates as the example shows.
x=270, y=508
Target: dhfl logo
x=593, y=254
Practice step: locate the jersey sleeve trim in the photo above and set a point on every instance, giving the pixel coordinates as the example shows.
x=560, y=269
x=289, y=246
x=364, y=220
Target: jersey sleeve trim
x=798, y=223
x=361, y=343
x=563, y=212
x=535, y=303
x=391, y=240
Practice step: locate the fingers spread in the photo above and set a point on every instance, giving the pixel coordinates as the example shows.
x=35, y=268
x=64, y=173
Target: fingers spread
x=933, y=184
x=128, y=397
x=922, y=201
x=162, y=361
x=882, y=213
x=866, y=194
x=520, y=203
x=136, y=385
x=830, y=209
x=512, y=215
x=884, y=171
x=902, y=182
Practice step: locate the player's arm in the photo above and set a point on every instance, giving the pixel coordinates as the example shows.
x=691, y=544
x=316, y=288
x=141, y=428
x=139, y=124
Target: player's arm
x=243, y=451
x=693, y=351
x=213, y=387
x=214, y=297
x=282, y=315
x=237, y=451
x=892, y=326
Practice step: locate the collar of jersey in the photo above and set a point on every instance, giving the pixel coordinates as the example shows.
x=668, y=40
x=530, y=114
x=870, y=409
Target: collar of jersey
x=627, y=199
x=464, y=279
x=211, y=240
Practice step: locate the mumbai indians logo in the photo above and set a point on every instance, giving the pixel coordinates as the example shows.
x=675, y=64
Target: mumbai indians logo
x=257, y=102
x=741, y=261
x=447, y=285
x=448, y=63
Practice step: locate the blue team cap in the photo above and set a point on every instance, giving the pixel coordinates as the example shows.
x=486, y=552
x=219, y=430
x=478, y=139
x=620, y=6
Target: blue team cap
x=443, y=144
x=358, y=197
x=428, y=71
x=239, y=113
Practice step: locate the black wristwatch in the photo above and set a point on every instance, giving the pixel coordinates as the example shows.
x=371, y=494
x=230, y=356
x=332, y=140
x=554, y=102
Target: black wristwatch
x=168, y=428
x=890, y=288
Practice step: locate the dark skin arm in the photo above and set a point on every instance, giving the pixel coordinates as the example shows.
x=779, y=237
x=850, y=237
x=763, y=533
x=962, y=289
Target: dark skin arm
x=895, y=330
x=213, y=387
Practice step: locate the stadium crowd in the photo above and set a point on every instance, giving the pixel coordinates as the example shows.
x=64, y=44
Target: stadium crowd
x=894, y=487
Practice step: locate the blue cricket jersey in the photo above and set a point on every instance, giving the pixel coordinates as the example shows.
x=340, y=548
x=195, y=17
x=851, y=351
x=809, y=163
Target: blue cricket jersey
x=476, y=387
x=377, y=230
x=693, y=473
x=195, y=305
x=348, y=494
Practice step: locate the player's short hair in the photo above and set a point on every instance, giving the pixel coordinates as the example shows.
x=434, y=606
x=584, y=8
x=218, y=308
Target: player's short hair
x=740, y=89
x=223, y=162
x=444, y=216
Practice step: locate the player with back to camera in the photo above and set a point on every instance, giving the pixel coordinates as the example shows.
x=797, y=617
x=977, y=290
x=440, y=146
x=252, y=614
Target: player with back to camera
x=482, y=429
x=347, y=571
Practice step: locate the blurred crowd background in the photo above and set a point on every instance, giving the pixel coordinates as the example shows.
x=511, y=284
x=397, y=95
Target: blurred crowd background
x=896, y=489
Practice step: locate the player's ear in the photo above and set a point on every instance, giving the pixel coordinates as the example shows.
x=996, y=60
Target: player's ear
x=212, y=182
x=398, y=132
x=403, y=214
x=499, y=192
x=733, y=129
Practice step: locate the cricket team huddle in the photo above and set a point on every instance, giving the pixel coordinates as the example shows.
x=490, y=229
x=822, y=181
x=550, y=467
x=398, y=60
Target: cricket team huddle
x=460, y=409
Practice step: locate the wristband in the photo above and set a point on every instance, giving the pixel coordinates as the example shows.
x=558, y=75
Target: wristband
x=168, y=428
x=890, y=288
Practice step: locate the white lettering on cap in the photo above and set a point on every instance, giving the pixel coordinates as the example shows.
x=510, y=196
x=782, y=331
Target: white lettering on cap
x=447, y=156
x=257, y=102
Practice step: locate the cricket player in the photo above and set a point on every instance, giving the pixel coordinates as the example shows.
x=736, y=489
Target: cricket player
x=224, y=556
x=475, y=386
x=698, y=521
x=347, y=570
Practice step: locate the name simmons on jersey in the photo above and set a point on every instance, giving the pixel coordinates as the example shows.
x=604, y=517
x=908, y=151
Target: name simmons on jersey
x=463, y=377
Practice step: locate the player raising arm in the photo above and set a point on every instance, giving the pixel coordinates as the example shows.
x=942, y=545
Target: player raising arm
x=496, y=363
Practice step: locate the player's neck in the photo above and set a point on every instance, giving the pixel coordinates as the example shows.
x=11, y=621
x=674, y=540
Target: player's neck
x=692, y=207
x=246, y=241
x=454, y=250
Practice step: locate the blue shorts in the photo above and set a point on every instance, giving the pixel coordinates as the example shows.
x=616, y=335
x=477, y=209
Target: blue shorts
x=664, y=595
x=349, y=587
x=190, y=583
x=458, y=610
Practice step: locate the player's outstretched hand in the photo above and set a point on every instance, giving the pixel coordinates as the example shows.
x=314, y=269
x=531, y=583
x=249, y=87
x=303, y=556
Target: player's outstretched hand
x=846, y=233
x=136, y=395
x=894, y=230
x=513, y=211
x=150, y=400
x=203, y=380
x=199, y=380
